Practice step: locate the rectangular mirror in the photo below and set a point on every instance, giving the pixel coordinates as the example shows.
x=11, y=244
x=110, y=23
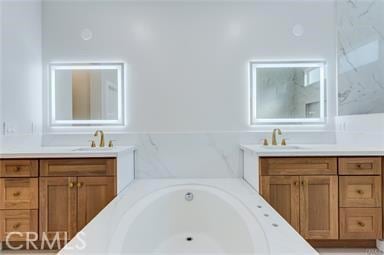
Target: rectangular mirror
x=287, y=92
x=86, y=94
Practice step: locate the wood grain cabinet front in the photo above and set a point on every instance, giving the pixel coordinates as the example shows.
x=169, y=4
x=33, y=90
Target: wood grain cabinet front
x=360, y=191
x=78, y=167
x=18, y=193
x=319, y=217
x=308, y=203
x=360, y=223
x=330, y=201
x=67, y=204
x=283, y=194
x=17, y=223
x=18, y=168
x=94, y=193
x=360, y=166
x=298, y=166
x=58, y=203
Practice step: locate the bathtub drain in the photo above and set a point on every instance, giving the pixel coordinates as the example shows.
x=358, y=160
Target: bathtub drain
x=189, y=196
x=189, y=239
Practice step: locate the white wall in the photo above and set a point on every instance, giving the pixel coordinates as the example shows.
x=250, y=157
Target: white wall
x=188, y=72
x=360, y=130
x=188, y=62
x=21, y=72
x=187, y=67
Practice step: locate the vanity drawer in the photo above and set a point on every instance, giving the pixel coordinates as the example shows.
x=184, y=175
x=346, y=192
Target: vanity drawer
x=360, y=166
x=18, y=221
x=360, y=223
x=360, y=191
x=298, y=166
x=19, y=193
x=78, y=167
x=18, y=168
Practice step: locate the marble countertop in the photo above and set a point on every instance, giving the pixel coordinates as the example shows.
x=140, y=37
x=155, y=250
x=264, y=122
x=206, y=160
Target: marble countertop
x=312, y=150
x=63, y=152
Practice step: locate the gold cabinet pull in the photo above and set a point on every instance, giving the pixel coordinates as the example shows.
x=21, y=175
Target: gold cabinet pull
x=16, y=194
x=359, y=191
x=17, y=225
x=295, y=183
x=71, y=185
x=79, y=184
x=361, y=224
x=17, y=169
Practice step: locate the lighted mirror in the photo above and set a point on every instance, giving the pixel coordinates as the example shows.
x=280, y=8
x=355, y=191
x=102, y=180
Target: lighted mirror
x=287, y=92
x=86, y=94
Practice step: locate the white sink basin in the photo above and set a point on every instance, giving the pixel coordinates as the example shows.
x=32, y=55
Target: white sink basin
x=93, y=149
x=280, y=147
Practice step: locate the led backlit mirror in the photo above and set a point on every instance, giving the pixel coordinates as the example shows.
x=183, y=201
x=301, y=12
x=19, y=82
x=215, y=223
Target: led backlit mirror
x=86, y=94
x=287, y=92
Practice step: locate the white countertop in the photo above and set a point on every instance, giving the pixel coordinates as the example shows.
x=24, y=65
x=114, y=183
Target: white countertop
x=312, y=150
x=63, y=152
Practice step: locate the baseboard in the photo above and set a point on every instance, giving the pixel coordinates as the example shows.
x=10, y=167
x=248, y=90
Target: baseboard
x=343, y=243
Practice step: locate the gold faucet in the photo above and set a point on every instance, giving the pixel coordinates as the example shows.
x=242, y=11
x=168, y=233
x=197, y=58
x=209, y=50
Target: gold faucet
x=102, y=143
x=274, y=140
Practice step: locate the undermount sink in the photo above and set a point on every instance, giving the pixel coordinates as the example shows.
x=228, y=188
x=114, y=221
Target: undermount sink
x=281, y=147
x=93, y=149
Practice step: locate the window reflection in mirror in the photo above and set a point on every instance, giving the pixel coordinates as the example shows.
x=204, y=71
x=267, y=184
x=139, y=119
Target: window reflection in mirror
x=89, y=94
x=287, y=92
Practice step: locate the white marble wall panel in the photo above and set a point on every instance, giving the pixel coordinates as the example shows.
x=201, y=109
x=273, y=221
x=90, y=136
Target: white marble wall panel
x=189, y=155
x=360, y=56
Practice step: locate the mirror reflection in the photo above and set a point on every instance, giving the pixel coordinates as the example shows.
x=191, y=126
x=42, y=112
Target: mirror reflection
x=86, y=94
x=288, y=92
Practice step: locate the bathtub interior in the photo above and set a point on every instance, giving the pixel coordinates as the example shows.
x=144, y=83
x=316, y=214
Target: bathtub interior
x=212, y=222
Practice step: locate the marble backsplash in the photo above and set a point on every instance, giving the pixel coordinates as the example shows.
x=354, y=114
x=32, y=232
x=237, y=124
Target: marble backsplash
x=190, y=155
x=360, y=56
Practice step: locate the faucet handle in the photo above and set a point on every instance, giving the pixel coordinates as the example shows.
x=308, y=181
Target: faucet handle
x=283, y=142
x=265, y=142
x=110, y=143
x=93, y=144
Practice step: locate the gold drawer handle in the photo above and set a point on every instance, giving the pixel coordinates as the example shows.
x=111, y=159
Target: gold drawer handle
x=79, y=184
x=17, y=225
x=16, y=194
x=17, y=169
x=71, y=185
x=359, y=191
x=361, y=224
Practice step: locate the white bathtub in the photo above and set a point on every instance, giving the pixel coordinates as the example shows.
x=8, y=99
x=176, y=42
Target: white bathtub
x=156, y=217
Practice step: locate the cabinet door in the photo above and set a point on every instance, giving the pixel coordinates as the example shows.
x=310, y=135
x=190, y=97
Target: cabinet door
x=94, y=193
x=283, y=194
x=319, y=207
x=58, y=201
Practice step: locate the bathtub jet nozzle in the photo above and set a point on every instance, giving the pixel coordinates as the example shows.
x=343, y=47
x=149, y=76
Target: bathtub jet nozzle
x=189, y=196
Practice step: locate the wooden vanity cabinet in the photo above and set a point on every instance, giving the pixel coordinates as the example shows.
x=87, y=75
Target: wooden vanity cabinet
x=283, y=194
x=18, y=198
x=68, y=203
x=308, y=203
x=50, y=196
x=58, y=207
x=93, y=194
x=319, y=207
x=330, y=201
